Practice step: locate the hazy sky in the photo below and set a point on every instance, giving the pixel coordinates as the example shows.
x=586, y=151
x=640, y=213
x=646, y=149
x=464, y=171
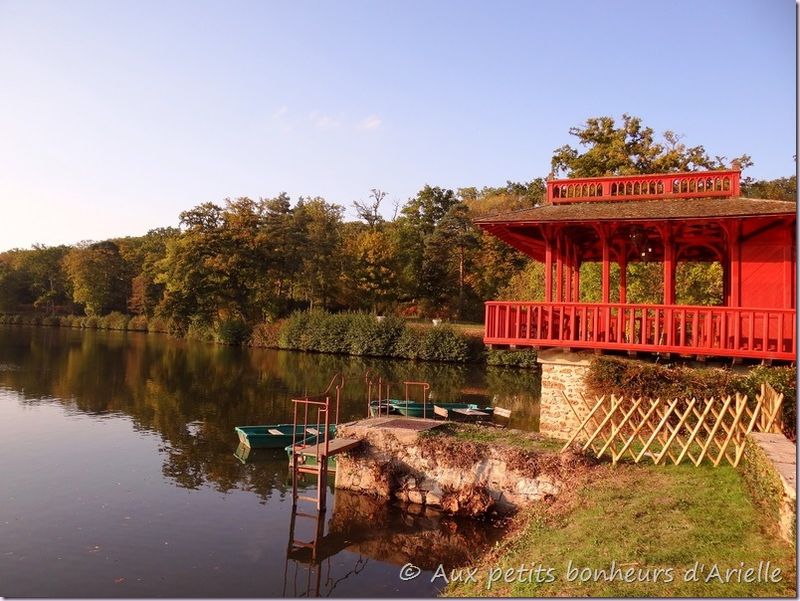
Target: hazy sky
x=115, y=116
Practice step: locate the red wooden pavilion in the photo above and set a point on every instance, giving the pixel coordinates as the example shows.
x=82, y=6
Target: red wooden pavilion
x=666, y=218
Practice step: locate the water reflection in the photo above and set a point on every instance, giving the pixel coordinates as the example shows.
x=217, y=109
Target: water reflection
x=372, y=531
x=121, y=479
x=193, y=394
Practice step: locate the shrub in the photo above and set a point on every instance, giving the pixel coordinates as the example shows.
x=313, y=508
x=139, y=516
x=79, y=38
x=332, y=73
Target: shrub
x=233, y=331
x=200, y=329
x=635, y=378
x=51, y=320
x=329, y=333
x=443, y=343
x=292, y=331
x=158, y=324
x=113, y=321
x=783, y=380
x=370, y=336
x=90, y=322
x=409, y=344
x=265, y=335
x=523, y=358
x=137, y=323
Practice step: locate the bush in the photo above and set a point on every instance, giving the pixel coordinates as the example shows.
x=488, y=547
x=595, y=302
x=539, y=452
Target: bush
x=200, y=329
x=51, y=320
x=113, y=321
x=409, y=344
x=137, y=323
x=634, y=378
x=443, y=343
x=370, y=336
x=292, y=331
x=364, y=334
x=233, y=331
x=783, y=380
x=265, y=335
x=91, y=322
x=523, y=358
x=158, y=324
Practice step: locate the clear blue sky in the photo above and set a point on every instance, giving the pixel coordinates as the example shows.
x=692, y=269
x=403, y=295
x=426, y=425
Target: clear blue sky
x=116, y=116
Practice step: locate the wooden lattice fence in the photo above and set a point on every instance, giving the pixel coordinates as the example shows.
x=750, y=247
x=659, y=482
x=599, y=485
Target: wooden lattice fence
x=678, y=430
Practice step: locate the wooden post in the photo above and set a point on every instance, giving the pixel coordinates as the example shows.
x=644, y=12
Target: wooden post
x=669, y=264
x=606, y=265
x=623, y=273
x=576, y=282
x=548, y=267
x=567, y=270
x=788, y=269
x=559, y=269
x=735, y=246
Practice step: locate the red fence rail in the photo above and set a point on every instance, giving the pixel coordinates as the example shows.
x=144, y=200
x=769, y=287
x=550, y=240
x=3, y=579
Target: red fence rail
x=680, y=329
x=645, y=187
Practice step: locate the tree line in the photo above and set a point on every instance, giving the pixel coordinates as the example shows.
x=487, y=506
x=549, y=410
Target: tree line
x=257, y=260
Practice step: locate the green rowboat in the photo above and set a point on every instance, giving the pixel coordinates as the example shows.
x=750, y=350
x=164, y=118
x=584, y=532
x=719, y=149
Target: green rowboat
x=426, y=410
x=275, y=436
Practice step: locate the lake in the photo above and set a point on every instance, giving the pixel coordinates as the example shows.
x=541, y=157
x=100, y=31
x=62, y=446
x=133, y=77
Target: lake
x=120, y=477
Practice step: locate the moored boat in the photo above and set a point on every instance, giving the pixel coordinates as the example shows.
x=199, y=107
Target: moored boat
x=274, y=436
x=410, y=409
x=383, y=407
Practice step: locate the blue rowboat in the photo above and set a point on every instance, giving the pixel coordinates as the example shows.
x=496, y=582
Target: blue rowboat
x=274, y=436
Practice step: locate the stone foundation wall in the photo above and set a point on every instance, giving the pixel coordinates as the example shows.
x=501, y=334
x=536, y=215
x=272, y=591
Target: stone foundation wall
x=562, y=372
x=454, y=476
x=769, y=468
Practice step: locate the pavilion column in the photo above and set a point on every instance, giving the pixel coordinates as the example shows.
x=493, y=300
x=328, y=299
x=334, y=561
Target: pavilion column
x=735, y=270
x=548, y=267
x=669, y=264
x=606, y=264
x=576, y=281
x=788, y=268
x=559, y=269
x=623, y=273
x=570, y=285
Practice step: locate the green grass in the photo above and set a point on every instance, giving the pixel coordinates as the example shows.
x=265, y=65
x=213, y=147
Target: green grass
x=498, y=437
x=463, y=327
x=644, y=517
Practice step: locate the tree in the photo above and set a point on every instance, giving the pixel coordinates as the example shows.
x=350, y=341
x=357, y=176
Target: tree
x=369, y=211
x=319, y=224
x=782, y=188
x=450, y=249
x=630, y=149
x=417, y=222
x=143, y=255
x=97, y=274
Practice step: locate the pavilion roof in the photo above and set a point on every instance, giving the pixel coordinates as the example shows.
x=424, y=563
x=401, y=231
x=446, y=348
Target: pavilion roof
x=644, y=210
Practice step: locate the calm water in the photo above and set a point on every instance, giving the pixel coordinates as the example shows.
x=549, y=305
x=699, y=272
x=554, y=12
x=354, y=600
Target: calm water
x=119, y=477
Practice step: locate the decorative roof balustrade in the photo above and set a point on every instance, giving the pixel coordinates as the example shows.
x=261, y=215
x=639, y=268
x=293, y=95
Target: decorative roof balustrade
x=702, y=184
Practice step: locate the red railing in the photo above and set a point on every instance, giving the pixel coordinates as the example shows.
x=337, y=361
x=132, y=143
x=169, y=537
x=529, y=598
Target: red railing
x=645, y=187
x=680, y=329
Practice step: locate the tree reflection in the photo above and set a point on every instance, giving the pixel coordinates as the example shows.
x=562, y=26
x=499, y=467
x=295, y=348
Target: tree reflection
x=192, y=394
